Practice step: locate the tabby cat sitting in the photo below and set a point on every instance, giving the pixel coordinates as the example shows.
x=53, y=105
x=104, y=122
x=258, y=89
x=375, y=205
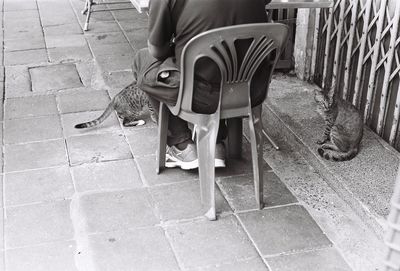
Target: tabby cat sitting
x=129, y=103
x=343, y=127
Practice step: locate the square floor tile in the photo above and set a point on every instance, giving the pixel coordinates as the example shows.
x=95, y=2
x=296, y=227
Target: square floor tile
x=206, y=243
x=38, y=185
x=97, y=147
x=37, y=56
x=143, y=141
x=69, y=54
x=239, y=191
x=283, y=230
x=18, y=83
x=325, y=259
x=67, y=29
x=147, y=166
x=32, y=129
x=35, y=155
x=24, y=44
x=110, y=124
x=54, y=256
x=254, y=264
x=182, y=200
x=121, y=174
x=243, y=165
x=38, y=223
x=70, y=40
x=117, y=210
x=54, y=77
x=79, y=101
x=142, y=249
x=30, y=107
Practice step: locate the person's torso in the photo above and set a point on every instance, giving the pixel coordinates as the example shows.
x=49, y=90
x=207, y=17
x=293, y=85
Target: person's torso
x=193, y=17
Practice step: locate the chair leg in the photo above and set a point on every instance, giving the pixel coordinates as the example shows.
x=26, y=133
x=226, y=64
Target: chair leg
x=162, y=137
x=235, y=131
x=88, y=9
x=256, y=139
x=206, y=136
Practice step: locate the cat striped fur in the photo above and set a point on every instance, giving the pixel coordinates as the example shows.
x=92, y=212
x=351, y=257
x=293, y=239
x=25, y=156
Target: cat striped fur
x=129, y=104
x=343, y=127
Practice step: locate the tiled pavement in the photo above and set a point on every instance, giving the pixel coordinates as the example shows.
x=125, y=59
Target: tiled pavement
x=90, y=199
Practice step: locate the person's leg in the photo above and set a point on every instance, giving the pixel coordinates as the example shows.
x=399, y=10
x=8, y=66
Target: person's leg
x=181, y=151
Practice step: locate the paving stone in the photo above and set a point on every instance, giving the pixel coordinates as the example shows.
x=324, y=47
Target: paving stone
x=88, y=72
x=326, y=259
x=60, y=41
x=13, y=5
x=21, y=14
x=206, y=243
x=283, y=230
x=97, y=147
x=35, y=155
x=147, y=165
x=106, y=38
x=18, y=83
x=59, y=17
x=182, y=201
x=109, y=63
x=142, y=249
x=113, y=175
x=103, y=27
x=116, y=210
x=28, y=57
x=112, y=49
x=138, y=38
x=30, y=107
x=134, y=23
x=2, y=238
x=239, y=191
x=79, y=101
x=37, y=224
x=131, y=16
x=255, y=264
x=69, y=54
x=143, y=147
x=1, y=198
x=55, y=256
x=67, y=29
x=23, y=32
x=239, y=166
x=32, y=129
x=69, y=121
x=24, y=44
x=38, y=185
x=54, y=77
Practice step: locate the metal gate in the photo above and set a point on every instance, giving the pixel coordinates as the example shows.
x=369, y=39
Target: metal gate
x=358, y=52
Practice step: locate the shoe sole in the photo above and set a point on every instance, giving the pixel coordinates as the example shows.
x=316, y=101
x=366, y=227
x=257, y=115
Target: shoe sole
x=183, y=165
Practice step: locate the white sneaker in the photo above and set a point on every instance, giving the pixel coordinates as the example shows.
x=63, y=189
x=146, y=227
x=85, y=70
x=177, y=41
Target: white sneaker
x=220, y=155
x=185, y=159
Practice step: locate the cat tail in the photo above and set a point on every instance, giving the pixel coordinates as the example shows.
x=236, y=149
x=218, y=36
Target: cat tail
x=97, y=121
x=337, y=156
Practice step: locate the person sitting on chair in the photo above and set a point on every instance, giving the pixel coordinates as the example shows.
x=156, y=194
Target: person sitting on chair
x=172, y=23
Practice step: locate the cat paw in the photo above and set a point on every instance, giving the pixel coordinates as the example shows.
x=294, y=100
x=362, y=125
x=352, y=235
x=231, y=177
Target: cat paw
x=133, y=123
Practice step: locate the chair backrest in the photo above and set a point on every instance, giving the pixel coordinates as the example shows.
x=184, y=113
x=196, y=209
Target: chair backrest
x=219, y=45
